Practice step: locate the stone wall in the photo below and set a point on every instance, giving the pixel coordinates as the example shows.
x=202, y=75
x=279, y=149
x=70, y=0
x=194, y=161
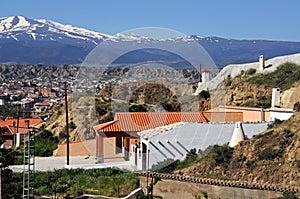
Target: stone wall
x=183, y=189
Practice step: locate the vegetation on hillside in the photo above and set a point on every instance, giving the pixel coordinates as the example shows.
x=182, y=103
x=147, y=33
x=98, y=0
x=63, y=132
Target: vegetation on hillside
x=74, y=182
x=255, y=90
x=283, y=77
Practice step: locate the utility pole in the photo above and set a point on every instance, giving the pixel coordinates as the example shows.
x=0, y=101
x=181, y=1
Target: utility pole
x=67, y=124
x=148, y=154
x=29, y=162
x=0, y=180
x=200, y=76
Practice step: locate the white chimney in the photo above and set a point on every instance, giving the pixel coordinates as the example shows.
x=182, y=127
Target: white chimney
x=237, y=135
x=261, y=63
x=275, y=97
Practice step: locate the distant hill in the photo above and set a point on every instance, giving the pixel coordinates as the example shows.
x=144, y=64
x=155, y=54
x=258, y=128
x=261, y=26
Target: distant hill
x=31, y=41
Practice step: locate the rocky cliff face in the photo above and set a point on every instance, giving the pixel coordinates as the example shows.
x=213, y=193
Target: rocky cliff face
x=240, y=92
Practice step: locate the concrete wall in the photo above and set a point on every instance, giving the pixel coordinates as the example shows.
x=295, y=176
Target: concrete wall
x=234, y=116
x=249, y=115
x=79, y=148
x=170, y=189
x=280, y=115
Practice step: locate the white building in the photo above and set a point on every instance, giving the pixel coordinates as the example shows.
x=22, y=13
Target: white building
x=174, y=141
x=206, y=76
x=275, y=97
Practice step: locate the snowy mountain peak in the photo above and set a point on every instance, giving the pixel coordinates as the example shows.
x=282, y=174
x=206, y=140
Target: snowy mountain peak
x=14, y=23
x=25, y=29
x=24, y=40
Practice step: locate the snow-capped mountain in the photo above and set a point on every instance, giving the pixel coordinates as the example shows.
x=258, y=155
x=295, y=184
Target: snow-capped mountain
x=31, y=41
x=24, y=29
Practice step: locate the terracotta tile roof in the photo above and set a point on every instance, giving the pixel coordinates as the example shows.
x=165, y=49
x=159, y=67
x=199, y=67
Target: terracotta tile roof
x=139, y=121
x=10, y=123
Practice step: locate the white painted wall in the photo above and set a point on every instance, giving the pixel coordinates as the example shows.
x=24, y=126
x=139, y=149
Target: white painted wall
x=280, y=114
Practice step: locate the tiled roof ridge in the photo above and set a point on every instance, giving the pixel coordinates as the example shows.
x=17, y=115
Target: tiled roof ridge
x=244, y=108
x=105, y=124
x=158, y=130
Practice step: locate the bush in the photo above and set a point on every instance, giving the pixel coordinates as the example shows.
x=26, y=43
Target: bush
x=138, y=108
x=228, y=81
x=250, y=71
x=275, y=123
x=204, y=94
x=298, y=164
x=59, y=112
x=250, y=103
x=221, y=155
x=166, y=166
x=169, y=165
x=297, y=107
x=288, y=195
x=250, y=164
x=191, y=154
x=270, y=154
x=72, y=125
x=45, y=143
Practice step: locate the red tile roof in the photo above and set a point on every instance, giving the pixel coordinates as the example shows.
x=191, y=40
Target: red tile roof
x=139, y=121
x=11, y=123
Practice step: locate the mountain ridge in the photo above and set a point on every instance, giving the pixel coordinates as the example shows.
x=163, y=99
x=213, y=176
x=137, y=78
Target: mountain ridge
x=31, y=41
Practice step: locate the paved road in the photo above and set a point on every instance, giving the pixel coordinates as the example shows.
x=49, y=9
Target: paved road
x=52, y=163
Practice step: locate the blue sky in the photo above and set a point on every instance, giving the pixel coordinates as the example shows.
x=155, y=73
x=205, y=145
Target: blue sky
x=251, y=19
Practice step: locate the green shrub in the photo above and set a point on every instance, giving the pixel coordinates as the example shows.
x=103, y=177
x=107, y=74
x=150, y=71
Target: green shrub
x=221, y=155
x=228, y=81
x=250, y=71
x=138, y=108
x=109, y=182
x=290, y=72
x=250, y=103
x=250, y=164
x=45, y=143
x=191, y=154
x=288, y=195
x=297, y=107
x=72, y=125
x=166, y=166
x=204, y=94
x=298, y=164
x=270, y=154
x=275, y=123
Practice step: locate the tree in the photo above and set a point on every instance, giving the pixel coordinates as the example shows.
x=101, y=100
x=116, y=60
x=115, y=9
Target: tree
x=297, y=107
x=2, y=131
x=204, y=94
